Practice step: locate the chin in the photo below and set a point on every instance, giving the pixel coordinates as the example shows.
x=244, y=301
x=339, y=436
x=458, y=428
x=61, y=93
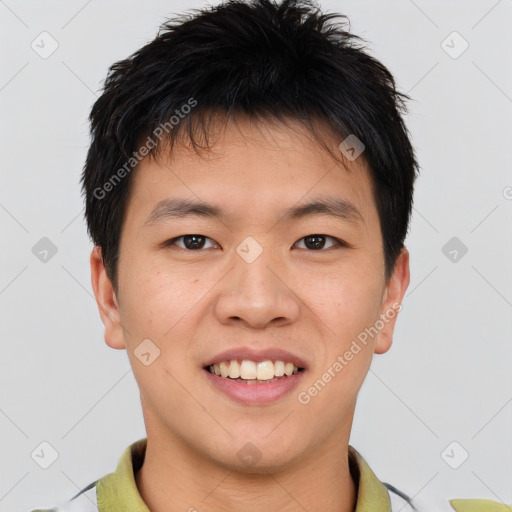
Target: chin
x=257, y=457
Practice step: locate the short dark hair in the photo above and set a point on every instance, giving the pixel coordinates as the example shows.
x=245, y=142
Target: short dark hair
x=265, y=59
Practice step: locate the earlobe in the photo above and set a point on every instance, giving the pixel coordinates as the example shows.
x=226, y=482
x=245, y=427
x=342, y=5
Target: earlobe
x=392, y=302
x=108, y=304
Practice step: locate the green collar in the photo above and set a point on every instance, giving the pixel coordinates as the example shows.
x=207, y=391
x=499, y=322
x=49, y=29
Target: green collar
x=474, y=505
x=118, y=491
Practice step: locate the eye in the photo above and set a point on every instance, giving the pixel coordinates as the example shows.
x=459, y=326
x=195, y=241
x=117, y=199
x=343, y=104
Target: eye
x=317, y=242
x=190, y=242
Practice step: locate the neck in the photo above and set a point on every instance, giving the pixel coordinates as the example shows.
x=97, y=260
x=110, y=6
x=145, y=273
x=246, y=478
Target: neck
x=174, y=478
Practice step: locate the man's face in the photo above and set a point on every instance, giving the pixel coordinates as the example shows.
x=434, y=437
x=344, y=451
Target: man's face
x=255, y=284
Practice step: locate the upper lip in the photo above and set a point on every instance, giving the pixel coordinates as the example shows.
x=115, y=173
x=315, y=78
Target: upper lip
x=250, y=354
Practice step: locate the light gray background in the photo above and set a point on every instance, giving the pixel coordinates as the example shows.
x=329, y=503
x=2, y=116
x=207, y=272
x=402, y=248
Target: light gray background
x=448, y=375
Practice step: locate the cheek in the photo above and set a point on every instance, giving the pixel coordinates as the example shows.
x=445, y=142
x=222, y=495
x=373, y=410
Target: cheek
x=155, y=299
x=347, y=301
x=160, y=306
x=156, y=307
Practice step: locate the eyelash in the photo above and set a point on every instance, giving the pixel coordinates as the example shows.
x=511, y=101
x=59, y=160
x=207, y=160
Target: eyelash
x=338, y=244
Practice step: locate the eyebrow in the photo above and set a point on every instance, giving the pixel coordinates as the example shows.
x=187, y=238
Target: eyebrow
x=173, y=208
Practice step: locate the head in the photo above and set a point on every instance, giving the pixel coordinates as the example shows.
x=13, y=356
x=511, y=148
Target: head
x=242, y=124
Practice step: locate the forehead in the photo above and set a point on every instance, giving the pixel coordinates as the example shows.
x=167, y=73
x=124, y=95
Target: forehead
x=253, y=167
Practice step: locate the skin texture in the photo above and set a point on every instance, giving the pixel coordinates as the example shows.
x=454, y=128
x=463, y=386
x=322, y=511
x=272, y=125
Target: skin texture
x=194, y=304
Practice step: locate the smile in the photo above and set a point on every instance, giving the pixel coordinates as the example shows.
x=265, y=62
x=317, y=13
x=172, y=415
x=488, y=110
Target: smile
x=252, y=372
x=254, y=382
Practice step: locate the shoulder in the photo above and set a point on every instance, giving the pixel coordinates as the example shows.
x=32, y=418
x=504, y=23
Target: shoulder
x=105, y=489
x=84, y=501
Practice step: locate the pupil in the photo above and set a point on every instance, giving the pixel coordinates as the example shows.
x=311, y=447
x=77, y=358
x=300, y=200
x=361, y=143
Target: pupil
x=318, y=241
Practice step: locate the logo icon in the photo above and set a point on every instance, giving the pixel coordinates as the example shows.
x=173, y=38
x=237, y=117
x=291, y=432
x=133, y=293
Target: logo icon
x=44, y=45
x=249, y=250
x=454, y=455
x=146, y=352
x=249, y=454
x=454, y=249
x=454, y=45
x=352, y=147
x=44, y=455
x=44, y=250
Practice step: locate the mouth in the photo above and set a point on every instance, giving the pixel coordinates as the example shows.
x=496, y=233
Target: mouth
x=254, y=377
x=247, y=371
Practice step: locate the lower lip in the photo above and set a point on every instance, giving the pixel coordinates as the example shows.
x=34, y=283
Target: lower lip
x=257, y=393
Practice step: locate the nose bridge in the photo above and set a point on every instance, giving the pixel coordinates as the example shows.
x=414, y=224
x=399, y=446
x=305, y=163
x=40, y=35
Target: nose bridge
x=255, y=278
x=254, y=292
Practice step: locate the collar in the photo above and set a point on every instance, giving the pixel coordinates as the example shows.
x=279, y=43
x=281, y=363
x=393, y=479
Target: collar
x=118, y=491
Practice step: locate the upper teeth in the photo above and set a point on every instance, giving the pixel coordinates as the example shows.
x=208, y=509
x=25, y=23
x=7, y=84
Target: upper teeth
x=250, y=370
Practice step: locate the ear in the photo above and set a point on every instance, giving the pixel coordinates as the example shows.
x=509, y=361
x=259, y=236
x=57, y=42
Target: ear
x=106, y=300
x=392, y=301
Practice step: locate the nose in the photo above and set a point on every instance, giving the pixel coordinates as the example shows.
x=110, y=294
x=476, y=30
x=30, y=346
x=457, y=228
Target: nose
x=258, y=294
